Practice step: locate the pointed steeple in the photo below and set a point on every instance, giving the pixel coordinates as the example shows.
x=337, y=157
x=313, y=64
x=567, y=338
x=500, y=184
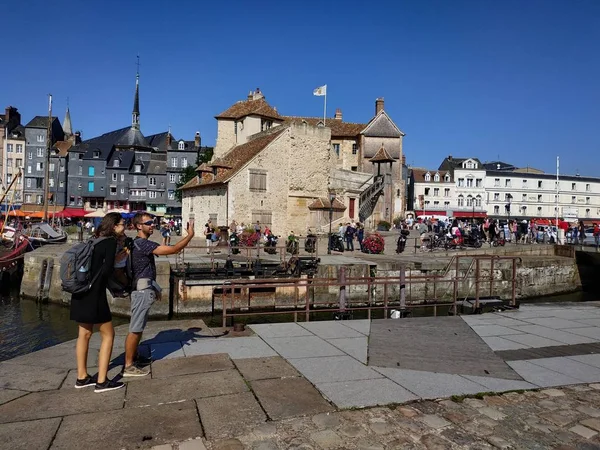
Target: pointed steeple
x=67, y=127
x=135, y=116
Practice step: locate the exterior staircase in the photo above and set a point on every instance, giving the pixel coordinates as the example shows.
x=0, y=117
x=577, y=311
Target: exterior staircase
x=369, y=197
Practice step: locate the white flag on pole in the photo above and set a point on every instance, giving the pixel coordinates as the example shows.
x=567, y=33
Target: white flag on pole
x=320, y=90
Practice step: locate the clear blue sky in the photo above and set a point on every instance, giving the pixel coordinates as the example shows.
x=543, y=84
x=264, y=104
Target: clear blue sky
x=483, y=78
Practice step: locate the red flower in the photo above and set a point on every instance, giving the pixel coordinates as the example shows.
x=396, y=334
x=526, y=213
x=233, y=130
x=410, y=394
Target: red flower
x=373, y=243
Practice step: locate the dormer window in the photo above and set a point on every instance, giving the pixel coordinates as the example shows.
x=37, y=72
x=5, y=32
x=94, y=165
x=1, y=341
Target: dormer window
x=427, y=177
x=436, y=177
x=116, y=163
x=181, y=145
x=447, y=178
x=96, y=154
x=137, y=168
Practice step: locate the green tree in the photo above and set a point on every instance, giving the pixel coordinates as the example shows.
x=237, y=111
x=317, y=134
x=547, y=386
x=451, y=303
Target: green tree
x=186, y=175
x=204, y=155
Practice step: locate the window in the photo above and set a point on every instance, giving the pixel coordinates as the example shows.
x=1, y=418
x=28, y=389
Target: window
x=427, y=177
x=447, y=192
x=539, y=184
x=478, y=182
x=122, y=190
x=152, y=194
x=469, y=165
x=524, y=197
x=29, y=155
x=469, y=182
x=96, y=154
x=539, y=211
x=28, y=182
x=496, y=182
x=51, y=182
x=507, y=197
x=436, y=177
x=9, y=162
x=427, y=191
x=478, y=201
x=427, y=203
x=122, y=177
x=40, y=138
x=573, y=199
x=40, y=152
x=354, y=149
x=90, y=186
x=461, y=201
x=79, y=186
x=80, y=171
x=336, y=149
x=181, y=145
x=171, y=195
x=447, y=178
x=61, y=184
x=174, y=161
x=38, y=199
x=71, y=199
x=91, y=171
x=573, y=186
x=29, y=168
x=587, y=212
x=39, y=166
x=137, y=168
x=257, y=180
x=436, y=192
x=265, y=124
x=588, y=187
x=496, y=209
x=27, y=198
x=152, y=181
x=461, y=182
x=587, y=200
x=19, y=148
x=469, y=200
x=524, y=184
x=184, y=162
x=446, y=205
x=172, y=178
x=9, y=148
x=539, y=199
x=507, y=183
x=19, y=162
x=79, y=201
x=39, y=183
x=113, y=190
x=51, y=167
x=497, y=197
x=114, y=177
x=354, y=168
x=62, y=168
x=80, y=156
x=135, y=179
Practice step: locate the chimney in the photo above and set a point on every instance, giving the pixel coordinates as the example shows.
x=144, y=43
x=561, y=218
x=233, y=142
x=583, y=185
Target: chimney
x=169, y=139
x=250, y=95
x=449, y=157
x=197, y=139
x=338, y=114
x=378, y=105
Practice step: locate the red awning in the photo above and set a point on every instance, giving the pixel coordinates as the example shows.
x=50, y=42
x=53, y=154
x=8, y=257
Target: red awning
x=72, y=212
x=469, y=214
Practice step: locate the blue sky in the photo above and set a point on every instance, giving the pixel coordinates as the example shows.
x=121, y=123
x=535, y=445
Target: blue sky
x=511, y=78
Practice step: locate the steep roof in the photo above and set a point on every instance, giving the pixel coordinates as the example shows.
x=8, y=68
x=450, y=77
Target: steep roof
x=258, y=107
x=382, y=126
x=126, y=137
x=17, y=133
x=337, y=126
x=236, y=158
x=382, y=156
x=157, y=167
x=451, y=163
x=419, y=174
x=125, y=157
x=89, y=148
x=39, y=122
x=498, y=165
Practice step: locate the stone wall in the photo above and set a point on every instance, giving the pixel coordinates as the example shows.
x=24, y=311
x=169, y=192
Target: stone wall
x=226, y=138
x=200, y=203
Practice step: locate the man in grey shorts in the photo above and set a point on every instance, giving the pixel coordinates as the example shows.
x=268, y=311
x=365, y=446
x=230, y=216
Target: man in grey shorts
x=147, y=291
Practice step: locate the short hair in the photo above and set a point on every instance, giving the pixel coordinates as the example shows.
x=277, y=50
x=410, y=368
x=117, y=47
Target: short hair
x=138, y=219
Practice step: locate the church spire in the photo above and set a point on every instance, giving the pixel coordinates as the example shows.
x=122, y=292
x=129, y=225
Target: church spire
x=67, y=127
x=135, y=116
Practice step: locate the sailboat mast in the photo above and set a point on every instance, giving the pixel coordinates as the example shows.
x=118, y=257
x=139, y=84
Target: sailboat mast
x=47, y=168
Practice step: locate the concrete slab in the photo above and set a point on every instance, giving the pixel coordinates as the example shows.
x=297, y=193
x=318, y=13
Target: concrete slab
x=492, y=319
x=289, y=397
x=363, y=326
x=62, y=402
x=556, y=323
x=333, y=369
x=6, y=395
x=563, y=336
x=113, y=373
x=265, y=368
x=355, y=347
x=429, y=385
x=592, y=360
x=500, y=385
x=493, y=330
x=330, y=329
x=171, y=334
x=30, y=435
x=166, y=350
x=168, y=368
x=230, y=415
x=130, y=427
x=591, y=332
x=31, y=378
x=570, y=367
x=303, y=347
x=184, y=387
x=531, y=340
x=580, y=314
x=364, y=393
x=589, y=321
x=237, y=348
x=60, y=356
x=541, y=376
x=269, y=330
x=499, y=343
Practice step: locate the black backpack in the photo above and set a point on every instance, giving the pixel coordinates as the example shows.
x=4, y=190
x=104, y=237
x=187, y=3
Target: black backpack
x=76, y=266
x=118, y=288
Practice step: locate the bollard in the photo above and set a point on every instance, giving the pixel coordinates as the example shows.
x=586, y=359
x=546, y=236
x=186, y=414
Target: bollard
x=342, y=314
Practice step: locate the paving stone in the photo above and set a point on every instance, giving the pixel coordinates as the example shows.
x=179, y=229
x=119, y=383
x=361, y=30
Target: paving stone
x=532, y=340
x=327, y=439
x=563, y=336
x=32, y=434
x=113, y=373
x=592, y=412
x=162, y=447
x=434, y=442
x=333, y=369
x=194, y=444
x=498, y=442
x=229, y=415
x=264, y=368
x=492, y=413
x=456, y=417
x=487, y=330
x=352, y=431
x=330, y=329
x=271, y=330
x=303, y=347
x=267, y=429
x=265, y=445
x=381, y=428
x=228, y=444
x=499, y=344
x=567, y=366
x=583, y=431
x=368, y=445
x=541, y=376
x=184, y=387
x=495, y=400
x=31, y=378
x=557, y=419
x=237, y=348
x=548, y=404
x=474, y=403
x=62, y=402
x=326, y=420
x=553, y=392
x=6, y=395
x=434, y=421
x=592, y=332
x=355, y=347
x=500, y=384
x=361, y=325
x=168, y=368
x=130, y=427
x=595, y=386
x=61, y=356
x=407, y=411
x=592, y=360
x=592, y=423
x=362, y=393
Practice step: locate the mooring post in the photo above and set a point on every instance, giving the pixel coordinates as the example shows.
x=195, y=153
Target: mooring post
x=513, y=300
x=476, y=284
x=402, y=291
x=342, y=297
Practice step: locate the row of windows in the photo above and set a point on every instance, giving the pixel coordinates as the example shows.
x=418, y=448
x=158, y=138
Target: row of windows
x=436, y=192
x=436, y=177
x=469, y=182
x=523, y=211
x=540, y=184
x=336, y=149
x=40, y=152
x=9, y=148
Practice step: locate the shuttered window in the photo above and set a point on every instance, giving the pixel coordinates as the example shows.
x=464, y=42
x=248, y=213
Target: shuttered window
x=264, y=217
x=257, y=180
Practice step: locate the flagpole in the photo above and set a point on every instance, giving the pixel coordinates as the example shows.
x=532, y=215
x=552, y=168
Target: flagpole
x=325, y=108
x=557, y=189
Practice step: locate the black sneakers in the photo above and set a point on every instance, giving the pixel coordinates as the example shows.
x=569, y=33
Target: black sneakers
x=86, y=382
x=108, y=385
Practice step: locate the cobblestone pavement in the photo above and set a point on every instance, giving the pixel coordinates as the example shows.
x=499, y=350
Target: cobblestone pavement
x=565, y=418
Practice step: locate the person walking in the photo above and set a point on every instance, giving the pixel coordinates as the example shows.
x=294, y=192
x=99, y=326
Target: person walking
x=91, y=308
x=147, y=290
x=360, y=235
x=349, y=235
x=596, y=234
x=208, y=234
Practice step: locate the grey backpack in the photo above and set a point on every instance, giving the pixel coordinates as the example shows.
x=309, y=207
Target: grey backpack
x=75, y=267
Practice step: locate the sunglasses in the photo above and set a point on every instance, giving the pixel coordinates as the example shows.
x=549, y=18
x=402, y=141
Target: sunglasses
x=148, y=222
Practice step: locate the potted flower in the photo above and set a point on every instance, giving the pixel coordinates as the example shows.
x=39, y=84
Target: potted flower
x=383, y=225
x=373, y=243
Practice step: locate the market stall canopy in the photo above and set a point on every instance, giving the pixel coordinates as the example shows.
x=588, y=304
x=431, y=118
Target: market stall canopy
x=15, y=213
x=71, y=212
x=97, y=213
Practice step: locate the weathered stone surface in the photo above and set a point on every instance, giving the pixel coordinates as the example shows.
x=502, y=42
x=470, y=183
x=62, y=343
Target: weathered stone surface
x=289, y=397
x=492, y=413
x=326, y=420
x=130, y=428
x=193, y=444
x=167, y=368
x=33, y=434
x=185, y=387
x=6, y=395
x=498, y=442
x=63, y=402
x=264, y=368
x=593, y=423
x=229, y=415
x=553, y=392
x=31, y=378
x=434, y=442
x=327, y=439
x=434, y=421
x=584, y=432
x=592, y=412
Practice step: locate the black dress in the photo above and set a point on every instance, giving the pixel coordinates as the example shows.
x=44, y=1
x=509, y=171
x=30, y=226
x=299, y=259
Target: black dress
x=92, y=306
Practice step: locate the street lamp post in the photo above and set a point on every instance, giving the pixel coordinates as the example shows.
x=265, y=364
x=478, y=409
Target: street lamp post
x=331, y=199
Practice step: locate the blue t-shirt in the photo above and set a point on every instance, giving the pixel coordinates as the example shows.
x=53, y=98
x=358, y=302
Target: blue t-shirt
x=142, y=259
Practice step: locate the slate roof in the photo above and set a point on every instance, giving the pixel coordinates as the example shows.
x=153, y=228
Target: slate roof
x=451, y=163
x=419, y=175
x=157, y=167
x=126, y=160
x=382, y=126
x=40, y=122
x=236, y=158
x=158, y=140
x=126, y=137
x=493, y=165
x=89, y=148
x=382, y=156
x=338, y=127
x=324, y=203
x=258, y=107
x=17, y=133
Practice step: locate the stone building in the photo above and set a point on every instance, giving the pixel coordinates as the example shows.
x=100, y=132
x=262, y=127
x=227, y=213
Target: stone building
x=431, y=192
x=281, y=170
x=12, y=154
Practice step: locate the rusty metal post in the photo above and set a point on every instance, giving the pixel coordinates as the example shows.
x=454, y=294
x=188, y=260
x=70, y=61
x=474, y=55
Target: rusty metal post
x=307, y=306
x=456, y=283
x=296, y=298
x=369, y=298
x=476, y=284
x=402, y=291
x=224, y=306
x=385, y=299
x=513, y=300
x=342, y=295
x=492, y=276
